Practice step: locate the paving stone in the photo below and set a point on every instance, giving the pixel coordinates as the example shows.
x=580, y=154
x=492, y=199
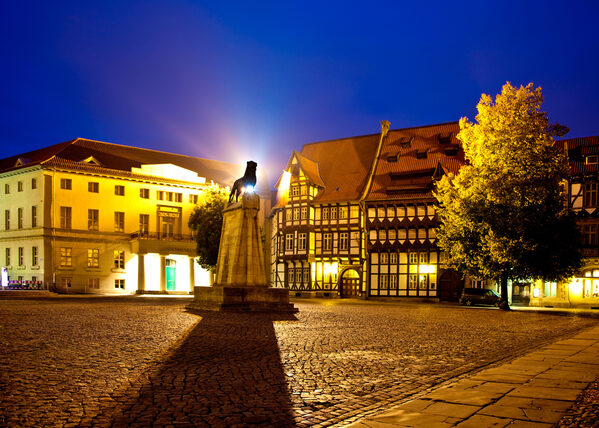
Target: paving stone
x=554, y=393
x=468, y=396
x=482, y=421
x=460, y=411
x=526, y=414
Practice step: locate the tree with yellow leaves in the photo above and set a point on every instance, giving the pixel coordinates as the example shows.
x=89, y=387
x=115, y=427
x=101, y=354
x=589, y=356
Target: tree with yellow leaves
x=502, y=215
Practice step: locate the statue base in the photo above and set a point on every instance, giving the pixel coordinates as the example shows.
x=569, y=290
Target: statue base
x=242, y=299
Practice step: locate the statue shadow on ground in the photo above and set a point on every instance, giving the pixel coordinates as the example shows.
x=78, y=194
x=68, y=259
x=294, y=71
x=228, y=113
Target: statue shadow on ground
x=227, y=371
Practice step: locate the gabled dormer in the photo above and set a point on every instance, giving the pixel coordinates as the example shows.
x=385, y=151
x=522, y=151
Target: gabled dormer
x=22, y=161
x=91, y=160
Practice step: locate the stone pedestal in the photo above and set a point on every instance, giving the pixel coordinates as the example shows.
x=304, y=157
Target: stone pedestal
x=241, y=283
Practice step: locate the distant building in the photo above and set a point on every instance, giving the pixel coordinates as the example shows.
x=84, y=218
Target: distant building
x=89, y=216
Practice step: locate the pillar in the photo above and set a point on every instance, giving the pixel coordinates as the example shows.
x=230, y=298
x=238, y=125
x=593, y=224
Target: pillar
x=162, y=274
x=192, y=277
x=141, y=274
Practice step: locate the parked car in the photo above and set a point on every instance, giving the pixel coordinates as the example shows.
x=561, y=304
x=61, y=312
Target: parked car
x=479, y=296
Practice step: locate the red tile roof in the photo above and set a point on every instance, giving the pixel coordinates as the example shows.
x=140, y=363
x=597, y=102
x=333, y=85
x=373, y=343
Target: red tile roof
x=115, y=157
x=410, y=156
x=578, y=149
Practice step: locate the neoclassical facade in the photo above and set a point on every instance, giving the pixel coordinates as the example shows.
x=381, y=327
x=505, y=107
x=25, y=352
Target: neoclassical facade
x=94, y=217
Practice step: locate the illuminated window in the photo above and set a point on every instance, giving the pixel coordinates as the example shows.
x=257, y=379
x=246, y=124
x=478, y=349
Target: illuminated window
x=327, y=241
x=119, y=283
x=383, y=282
x=393, y=282
x=590, y=194
x=384, y=258
x=119, y=221
x=306, y=275
x=411, y=233
x=410, y=211
x=390, y=212
x=392, y=234
x=289, y=242
x=301, y=241
x=342, y=213
x=144, y=193
x=303, y=190
x=19, y=186
x=291, y=275
x=144, y=224
x=432, y=233
x=193, y=199
x=7, y=219
x=66, y=257
x=92, y=219
x=93, y=187
x=382, y=235
x=119, y=190
x=34, y=216
x=178, y=197
x=7, y=260
x=34, y=183
x=343, y=241
x=334, y=213
x=413, y=258
x=294, y=191
x=66, y=183
x=65, y=217
x=401, y=234
x=380, y=213
x=393, y=258
x=372, y=235
x=304, y=213
x=423, y=258
x=19, y=218
x=354, y=211
x=325, y=213
x=21, y=254
x=119, y=259
x=33, y=256
x=93, y=258
x=296, y=213
x=412, y=281
x=400, y=212
x=93, y=283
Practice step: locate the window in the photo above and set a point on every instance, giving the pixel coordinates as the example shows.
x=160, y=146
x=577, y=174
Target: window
x=93, y=283
x=327, y=241
x=92, y=219
x=325, y=213
x=423, y=258
x=119, y=221
x=384, y=258
x=34, y=216
x=178, y=197
x=342, y=212
x=119, y=283
x=380, y=213
x=160, y=195
x=294, y=191
x=19, y=186
x=590, y=194
x=296, y=213
x=145, y=193
x=412, y=281
x=33, y=256
x=291, y=275
x=169, y=196
x=589, y=234
x=591, y=159
x=7, y=188
x=301, y=241
x=119, y=190
x=393, y=282
x=144, y=224
x=66, y=183
x=304, y=213
x=21, y=256
x=393, y=258
x=119, y=259
x=193, y=199
x=93, y=258
x=303, y=190
x=7, y=219
x=334, y=213
x=93, y=187
x=65, y=217
x=477, y=283
x=289, y=242
x=19, y=218
x=34, y=183
x=66, y=257
x=384, y=282
x=7, y=257
x=343, y=241
x=413, y=258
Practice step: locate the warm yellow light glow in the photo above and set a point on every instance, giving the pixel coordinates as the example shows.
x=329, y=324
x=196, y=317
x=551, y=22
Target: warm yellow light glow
x=331, y=268
x=427, y=268
x=536, y=293
x=576, y=287
x=283, y=190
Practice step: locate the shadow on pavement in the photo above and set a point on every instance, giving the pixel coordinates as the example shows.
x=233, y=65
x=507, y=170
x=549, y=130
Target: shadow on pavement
x=226, y=372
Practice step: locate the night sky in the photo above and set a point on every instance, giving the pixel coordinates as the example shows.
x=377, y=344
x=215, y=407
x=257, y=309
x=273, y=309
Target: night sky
x=254, y=80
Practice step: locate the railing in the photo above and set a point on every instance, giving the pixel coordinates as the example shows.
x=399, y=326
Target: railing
x=161, y=236
x=24, y=285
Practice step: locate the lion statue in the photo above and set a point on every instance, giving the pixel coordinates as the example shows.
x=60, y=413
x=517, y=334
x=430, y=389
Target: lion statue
x=248, y=179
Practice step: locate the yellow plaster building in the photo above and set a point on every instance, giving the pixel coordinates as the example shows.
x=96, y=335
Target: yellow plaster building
x=94, y=217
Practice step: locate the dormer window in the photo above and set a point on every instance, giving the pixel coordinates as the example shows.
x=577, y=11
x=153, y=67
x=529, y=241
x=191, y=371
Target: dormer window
x=453, y=151
x=406, y=142
x=392, y=158
x=421, y=154
x=591, y=160
x=92, y=160
x=444, y=138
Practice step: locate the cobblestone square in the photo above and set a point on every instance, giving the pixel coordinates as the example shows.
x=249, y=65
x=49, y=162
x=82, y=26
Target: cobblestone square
x=133, y=361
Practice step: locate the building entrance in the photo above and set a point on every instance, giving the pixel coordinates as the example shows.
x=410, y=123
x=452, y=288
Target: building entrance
x=450, y=286
x=350, y=284
x=171, y=275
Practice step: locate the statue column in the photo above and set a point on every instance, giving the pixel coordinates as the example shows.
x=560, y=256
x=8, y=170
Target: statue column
x=162, y=274
x=192, y=277
x=141, y=274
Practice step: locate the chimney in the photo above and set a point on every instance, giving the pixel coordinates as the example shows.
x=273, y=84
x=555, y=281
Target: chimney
x=384, y=127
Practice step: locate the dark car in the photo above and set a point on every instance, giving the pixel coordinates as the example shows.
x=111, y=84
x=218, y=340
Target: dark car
x=479, y=296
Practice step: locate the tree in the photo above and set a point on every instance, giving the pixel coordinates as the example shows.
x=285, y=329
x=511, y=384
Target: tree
x=503, y=215
x=206, y=222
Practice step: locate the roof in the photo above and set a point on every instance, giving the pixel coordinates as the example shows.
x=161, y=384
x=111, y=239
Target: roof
x=115, y=158
x=343, y=166
x=410, y=157
x=578, y=150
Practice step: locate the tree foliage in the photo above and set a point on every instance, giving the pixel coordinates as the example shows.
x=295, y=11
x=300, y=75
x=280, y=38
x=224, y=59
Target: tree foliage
x=503, y=215
x=206, y=222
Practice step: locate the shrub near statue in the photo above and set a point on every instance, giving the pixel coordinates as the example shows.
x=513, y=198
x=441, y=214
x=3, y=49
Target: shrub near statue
x=248, y=179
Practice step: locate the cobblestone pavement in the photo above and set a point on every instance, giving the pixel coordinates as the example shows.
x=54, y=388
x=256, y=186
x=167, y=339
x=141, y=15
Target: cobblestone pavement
x=147, y=362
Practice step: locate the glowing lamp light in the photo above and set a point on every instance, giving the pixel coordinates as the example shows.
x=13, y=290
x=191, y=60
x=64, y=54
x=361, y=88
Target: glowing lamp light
x=249, y=189
x=283, y=189
x=331, y=268
x=427, y=268
x=536, y=293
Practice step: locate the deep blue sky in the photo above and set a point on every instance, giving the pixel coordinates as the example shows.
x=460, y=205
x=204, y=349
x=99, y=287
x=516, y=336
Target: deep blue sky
x=239, y=80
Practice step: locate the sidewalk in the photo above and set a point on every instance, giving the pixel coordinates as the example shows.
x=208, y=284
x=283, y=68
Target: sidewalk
x=534, y=390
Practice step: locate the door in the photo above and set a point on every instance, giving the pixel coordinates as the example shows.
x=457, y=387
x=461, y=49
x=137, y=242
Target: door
x=171, y=275
x=450, y=286
x=350, y=284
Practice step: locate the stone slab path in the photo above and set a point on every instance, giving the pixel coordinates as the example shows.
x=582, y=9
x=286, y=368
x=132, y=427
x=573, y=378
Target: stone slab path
x=534, y=390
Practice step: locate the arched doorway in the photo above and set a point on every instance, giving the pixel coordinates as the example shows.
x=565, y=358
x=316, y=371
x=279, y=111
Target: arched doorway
x=450, y=286
x=349, y=285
